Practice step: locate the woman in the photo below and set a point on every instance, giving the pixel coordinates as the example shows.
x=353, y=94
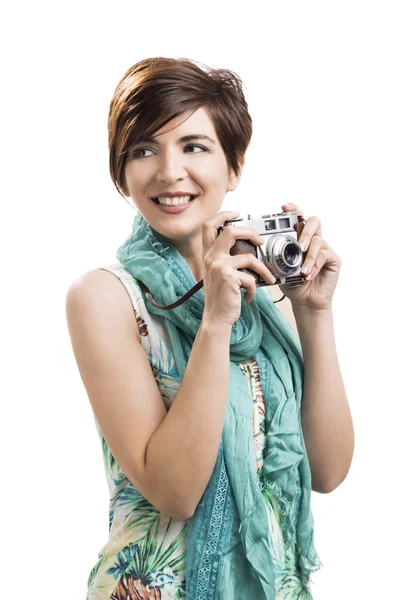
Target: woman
x=198, y=406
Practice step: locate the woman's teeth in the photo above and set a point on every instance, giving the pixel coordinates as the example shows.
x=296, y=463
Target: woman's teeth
x=174, y=201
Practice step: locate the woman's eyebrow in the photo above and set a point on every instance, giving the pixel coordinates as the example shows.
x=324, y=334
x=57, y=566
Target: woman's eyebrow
x=185, y=138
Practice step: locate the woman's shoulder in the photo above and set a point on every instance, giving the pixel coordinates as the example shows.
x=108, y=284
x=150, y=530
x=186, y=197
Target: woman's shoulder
x=128, y=296
x=149, y=327
x=106, y=282
x=127, y=279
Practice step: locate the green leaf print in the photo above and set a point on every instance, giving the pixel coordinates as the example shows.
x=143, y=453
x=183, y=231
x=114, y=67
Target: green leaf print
x=144, y=569
x=288, y=580
x=92, y=576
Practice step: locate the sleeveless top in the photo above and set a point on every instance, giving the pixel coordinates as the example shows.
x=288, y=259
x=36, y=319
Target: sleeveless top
x=144, y=556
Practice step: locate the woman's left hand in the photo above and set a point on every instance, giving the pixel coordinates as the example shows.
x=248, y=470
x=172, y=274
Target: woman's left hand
x=324, y=266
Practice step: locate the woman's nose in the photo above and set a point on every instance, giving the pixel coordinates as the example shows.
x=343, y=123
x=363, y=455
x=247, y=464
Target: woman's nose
x=171, y=167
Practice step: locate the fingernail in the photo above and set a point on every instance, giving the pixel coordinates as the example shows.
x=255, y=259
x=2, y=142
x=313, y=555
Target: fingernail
x=303, y=246
x=305, y=269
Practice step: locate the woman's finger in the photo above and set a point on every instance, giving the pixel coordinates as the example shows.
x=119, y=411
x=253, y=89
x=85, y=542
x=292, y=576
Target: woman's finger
x=210, y=227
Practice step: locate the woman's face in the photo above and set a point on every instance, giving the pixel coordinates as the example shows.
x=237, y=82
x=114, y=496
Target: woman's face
x=166, y=164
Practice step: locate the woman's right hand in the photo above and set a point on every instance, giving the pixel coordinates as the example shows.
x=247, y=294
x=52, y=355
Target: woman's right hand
x=222, y=281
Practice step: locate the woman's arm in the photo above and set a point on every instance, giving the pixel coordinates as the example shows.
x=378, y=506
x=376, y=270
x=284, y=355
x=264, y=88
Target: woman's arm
x=285, y=306
x=326, y=418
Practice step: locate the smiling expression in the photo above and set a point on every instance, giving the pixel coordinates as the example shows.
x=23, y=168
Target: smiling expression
x=168, y=163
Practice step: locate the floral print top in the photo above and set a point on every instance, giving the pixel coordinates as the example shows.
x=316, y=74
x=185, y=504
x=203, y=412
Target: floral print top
x=144, y=555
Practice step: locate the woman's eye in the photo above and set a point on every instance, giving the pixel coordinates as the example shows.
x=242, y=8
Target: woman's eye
x=195, y=146
x=135, y=153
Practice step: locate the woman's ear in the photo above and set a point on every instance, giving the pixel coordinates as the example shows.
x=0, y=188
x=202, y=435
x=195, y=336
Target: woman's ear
x=235, y=179
x=233, y=183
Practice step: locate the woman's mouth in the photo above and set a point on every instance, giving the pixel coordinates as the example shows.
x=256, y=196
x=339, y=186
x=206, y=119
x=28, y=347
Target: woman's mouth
x=173, y=208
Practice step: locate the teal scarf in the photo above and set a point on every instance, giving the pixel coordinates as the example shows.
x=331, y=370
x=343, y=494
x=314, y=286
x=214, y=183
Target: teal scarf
x=230, y=522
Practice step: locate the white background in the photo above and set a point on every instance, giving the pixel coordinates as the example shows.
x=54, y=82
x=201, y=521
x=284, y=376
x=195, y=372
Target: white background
x=322, y=84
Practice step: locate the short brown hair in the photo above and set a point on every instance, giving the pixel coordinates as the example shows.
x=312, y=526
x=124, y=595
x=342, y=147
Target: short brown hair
x=156, y=90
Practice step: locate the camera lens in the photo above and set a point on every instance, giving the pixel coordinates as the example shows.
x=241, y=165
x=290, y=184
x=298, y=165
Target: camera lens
x=284, y=254
x=291, y=254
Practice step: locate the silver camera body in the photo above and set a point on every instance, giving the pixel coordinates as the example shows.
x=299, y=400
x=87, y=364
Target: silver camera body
x=283, y=255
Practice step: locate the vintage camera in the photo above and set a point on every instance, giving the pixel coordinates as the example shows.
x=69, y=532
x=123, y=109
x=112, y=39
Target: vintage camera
x=281, y=252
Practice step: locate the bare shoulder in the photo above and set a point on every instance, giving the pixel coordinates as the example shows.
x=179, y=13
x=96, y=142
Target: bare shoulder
x=103, y=289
